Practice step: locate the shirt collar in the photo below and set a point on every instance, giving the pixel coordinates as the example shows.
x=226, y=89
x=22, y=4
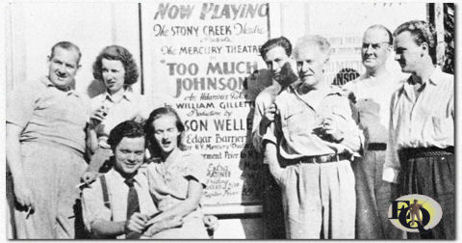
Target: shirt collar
x=330, y=90
x=173, y=156
x=128, y=94
x=119, y=177
x=434, y=79
x=47, y=82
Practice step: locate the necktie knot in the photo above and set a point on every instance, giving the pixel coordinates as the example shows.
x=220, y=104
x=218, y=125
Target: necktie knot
x=130, y=182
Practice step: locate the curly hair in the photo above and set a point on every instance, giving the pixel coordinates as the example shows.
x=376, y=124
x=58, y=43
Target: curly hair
x=121, y=54
x=129, y=129
x=421, y=32
x=152, y=145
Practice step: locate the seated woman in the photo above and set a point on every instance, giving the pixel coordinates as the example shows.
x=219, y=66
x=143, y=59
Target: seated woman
x=176, y=177
x=117, y=70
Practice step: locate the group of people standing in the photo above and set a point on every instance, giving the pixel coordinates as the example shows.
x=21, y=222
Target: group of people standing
x=52, y=131
x=336, y=157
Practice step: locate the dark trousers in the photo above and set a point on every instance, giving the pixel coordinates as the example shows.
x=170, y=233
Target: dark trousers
x=373, y=198
x=431, y=174
x=273, y=214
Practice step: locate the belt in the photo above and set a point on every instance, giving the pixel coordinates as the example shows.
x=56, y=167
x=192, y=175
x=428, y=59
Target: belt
x=327, y=158
x=377, y=146
x=426, y=152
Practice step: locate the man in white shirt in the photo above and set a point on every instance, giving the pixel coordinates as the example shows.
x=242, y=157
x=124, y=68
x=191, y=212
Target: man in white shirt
x=420, y=150
x=276, y=53
x=371, y=93
x=118, y=204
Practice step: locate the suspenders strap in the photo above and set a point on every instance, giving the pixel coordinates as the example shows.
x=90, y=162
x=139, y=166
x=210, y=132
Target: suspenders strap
x=107, y=203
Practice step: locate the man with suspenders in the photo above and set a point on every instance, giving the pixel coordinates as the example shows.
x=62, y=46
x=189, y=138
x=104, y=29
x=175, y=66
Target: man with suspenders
x=118, y=204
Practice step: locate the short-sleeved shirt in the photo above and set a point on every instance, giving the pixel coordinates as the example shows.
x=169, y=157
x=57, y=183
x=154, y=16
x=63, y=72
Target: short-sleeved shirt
x=129, y=106
x=372, y=97
x=169, y=180
x=48, y=114
x=263, y=101
x=420, y=123
x=299, y=116
x=93, y=203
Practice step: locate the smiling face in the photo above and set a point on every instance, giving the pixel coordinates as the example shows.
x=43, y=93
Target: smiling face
x=166, y=133
x=375, y=49
x=113, y=73
x=129, y=155
x=63, y=66
x=310, y=65
x=275, y=59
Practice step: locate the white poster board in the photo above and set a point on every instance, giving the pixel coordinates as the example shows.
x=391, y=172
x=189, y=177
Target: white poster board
x=198, y=55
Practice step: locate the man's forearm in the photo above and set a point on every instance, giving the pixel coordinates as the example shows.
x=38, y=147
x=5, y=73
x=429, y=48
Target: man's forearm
x=92, y=139
x=13, y=153
x=105, y=229
x=272, y=160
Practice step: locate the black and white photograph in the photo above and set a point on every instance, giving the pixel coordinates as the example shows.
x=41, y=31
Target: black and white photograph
x=229, y=120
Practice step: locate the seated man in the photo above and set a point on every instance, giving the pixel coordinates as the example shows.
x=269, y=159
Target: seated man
x=118, y=203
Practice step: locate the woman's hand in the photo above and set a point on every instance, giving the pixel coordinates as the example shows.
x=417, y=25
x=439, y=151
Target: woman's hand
x=97, y=116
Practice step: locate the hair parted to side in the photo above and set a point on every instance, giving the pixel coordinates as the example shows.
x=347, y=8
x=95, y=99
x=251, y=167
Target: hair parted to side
x=385, y=29
x=154, y=148
x=126, y=129
x=422, y=32
x=272, y=43
x=119, y=53
x=66, y=45
x=310, y=40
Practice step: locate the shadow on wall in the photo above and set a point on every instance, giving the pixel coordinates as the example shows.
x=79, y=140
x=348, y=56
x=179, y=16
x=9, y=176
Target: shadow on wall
x=251, y=162
x=95, y=88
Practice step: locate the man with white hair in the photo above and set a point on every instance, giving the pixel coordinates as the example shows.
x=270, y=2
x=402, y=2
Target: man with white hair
x=309, y=148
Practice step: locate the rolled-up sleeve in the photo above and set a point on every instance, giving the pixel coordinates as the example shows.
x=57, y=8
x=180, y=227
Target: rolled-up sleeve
x=93, y=208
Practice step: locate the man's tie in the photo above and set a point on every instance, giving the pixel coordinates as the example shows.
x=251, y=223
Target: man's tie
x=133, y=206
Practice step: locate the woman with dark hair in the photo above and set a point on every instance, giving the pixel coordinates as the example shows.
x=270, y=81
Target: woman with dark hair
x=176, y=176
x=116, y=68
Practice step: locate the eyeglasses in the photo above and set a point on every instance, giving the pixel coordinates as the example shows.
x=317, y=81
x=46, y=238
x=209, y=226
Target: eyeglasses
x=374, y=46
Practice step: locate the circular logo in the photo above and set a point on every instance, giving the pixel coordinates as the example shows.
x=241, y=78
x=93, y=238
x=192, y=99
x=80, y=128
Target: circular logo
x=415, y=213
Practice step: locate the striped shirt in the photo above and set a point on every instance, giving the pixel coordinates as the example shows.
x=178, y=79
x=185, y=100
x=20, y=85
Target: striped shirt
x=419, y=123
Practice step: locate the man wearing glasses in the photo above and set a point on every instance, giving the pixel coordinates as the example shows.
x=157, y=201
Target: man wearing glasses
x=371, y=93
